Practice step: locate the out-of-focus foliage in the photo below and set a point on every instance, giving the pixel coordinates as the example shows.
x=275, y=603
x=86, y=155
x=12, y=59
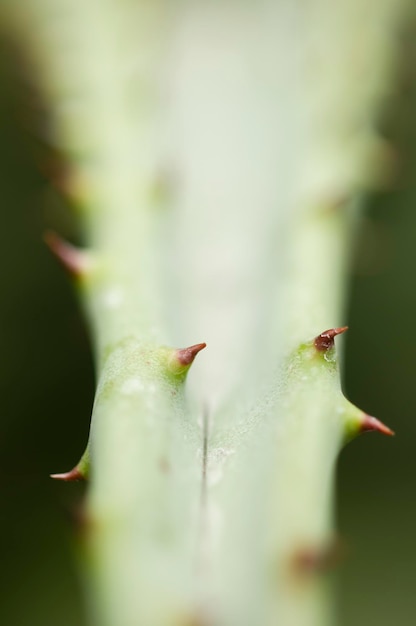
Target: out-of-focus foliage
x=376, y=490
x=46, y=386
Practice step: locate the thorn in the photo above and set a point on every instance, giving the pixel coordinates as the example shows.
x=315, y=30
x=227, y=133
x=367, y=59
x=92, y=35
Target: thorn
x=73, y=259
x=371, y=424
x=164, y=465
x=181, y=359
x=76, y=515
x=72, y=475
x=186, y=356
x=325, y=341
x=53, y=168
x=320, y=560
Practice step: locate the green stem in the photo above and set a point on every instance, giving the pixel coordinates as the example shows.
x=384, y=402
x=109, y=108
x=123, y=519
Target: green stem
x=215, y=187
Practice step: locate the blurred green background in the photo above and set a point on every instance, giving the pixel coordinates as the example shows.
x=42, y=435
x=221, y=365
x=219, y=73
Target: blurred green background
x=47, y=385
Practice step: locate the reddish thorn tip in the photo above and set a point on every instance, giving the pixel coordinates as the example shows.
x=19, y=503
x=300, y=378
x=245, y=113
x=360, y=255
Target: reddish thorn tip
x=320, y=559
x=372, y=424
x=72, y=475
x=186, y=356
x=325, y=340
x=68, y=255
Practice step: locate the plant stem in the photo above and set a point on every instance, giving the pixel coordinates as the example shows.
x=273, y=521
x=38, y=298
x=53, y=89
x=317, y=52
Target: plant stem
x=217, y=191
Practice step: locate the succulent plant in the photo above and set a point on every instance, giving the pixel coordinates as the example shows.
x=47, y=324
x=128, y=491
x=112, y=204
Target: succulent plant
x=215, y=156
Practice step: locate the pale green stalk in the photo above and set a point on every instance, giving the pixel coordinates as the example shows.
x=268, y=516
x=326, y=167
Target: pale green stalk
x=215, y=154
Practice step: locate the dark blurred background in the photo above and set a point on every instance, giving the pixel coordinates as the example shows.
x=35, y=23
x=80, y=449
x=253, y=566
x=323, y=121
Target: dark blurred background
x=46, y=380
